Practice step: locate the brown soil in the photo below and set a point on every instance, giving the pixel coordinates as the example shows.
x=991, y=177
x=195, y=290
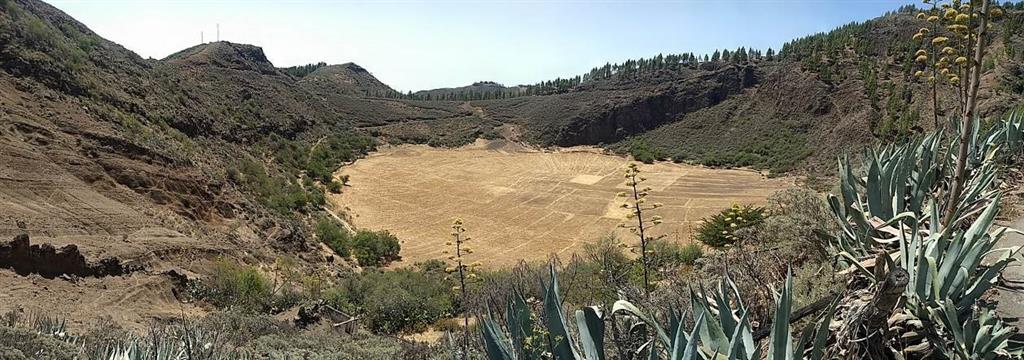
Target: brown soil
x=525, y=204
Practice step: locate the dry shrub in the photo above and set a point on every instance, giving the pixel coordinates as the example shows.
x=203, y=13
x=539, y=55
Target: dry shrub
x=793, y=238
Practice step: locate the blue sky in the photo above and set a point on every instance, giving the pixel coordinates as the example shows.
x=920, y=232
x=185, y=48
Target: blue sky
x=414, y=45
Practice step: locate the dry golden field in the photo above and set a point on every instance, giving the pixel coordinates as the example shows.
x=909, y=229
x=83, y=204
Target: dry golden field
x=526, y=204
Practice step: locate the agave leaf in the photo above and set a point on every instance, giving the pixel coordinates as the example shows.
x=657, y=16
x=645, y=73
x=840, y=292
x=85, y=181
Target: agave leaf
x=684, y=348
x=821, y=334
x=740, y=349
x=520, y=324
x=496, y=345
x=623, y=306
x=554, y=318
x=591, y=327
x=652, y=350
x=710, y=332
x=780, y=344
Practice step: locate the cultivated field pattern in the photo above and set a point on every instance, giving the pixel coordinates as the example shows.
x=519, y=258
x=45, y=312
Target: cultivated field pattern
x=526, y=204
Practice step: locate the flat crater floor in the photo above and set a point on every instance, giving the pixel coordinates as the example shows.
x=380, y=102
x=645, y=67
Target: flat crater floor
x=526, y=204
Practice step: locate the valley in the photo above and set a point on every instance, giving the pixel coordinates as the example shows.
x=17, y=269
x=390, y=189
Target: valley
x=520, y=203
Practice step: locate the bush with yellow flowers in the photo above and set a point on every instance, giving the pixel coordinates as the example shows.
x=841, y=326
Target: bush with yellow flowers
x=719, y=230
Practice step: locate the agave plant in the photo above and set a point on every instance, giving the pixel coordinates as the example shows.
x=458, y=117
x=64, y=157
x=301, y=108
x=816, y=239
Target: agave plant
x=900, y=179
x=902, y=184
x=946, y=266
x=894, y=212
x=981, y=335
x=555, y=339
x=719, y=331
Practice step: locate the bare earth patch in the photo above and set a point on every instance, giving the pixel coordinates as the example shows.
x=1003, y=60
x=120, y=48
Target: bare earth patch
x=525, y=204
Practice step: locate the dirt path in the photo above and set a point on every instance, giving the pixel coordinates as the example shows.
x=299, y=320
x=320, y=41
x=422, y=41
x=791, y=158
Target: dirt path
x=1011, y=295
x=479, y=111
x=340, y=220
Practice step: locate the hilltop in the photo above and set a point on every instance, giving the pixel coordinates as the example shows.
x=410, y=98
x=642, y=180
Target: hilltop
x=346, y=78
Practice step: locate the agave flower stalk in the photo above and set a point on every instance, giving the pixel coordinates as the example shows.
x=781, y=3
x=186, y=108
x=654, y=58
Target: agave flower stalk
x=637, y=204
x=464, y=271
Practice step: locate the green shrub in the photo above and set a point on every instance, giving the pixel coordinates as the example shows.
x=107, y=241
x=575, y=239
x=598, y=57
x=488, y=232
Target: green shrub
x=719, y=230
x=395, y=301
x=669, y=254
x=335, y=237
x=644, y=152
x=278, y=192
x=19, y=343
x=689, y=253
x=334, y=187
x=375, y=248
x=332, y=152
x=241, y=287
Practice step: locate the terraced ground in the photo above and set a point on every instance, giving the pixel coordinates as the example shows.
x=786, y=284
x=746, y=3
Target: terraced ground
x=526, y=204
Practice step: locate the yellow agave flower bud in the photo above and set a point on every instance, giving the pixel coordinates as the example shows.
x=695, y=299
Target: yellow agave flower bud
x=954, y=80
x=950, y=13
x=933, y=18
x=921, y=15
x=924, y=30
x=961, y=61
x=921, y=59
x=939, y=41
x=931, y=79
x=920, y=52
x=944, y=71
x=918, y=36
x=962, y=18
x=948, y=50
x=919, y=73
x=996, y=13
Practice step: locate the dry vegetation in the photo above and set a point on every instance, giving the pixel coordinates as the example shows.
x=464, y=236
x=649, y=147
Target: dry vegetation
x=525, y=204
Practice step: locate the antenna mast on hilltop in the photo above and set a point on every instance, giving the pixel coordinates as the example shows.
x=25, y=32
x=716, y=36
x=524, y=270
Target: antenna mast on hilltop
x=218, y=32
x=201, y=40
